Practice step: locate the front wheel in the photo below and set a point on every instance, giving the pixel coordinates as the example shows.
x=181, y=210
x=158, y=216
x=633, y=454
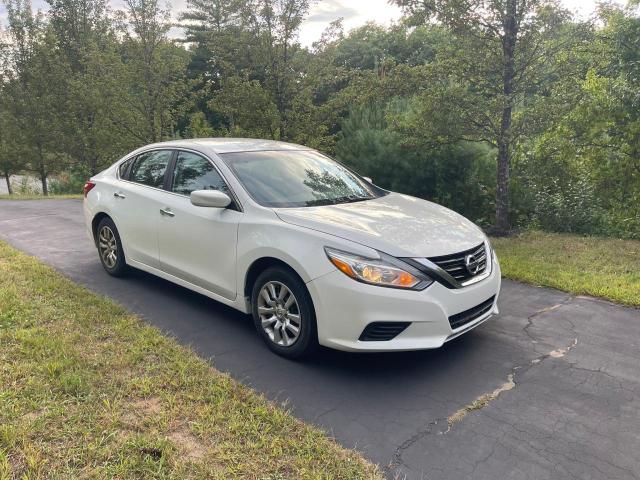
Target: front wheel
x=283, y=313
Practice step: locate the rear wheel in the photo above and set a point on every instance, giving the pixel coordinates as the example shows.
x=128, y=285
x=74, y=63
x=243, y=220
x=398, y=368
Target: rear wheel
x=283, y=313
x=110, y=248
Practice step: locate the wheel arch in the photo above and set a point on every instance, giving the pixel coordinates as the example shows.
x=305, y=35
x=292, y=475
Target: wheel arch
x=97, y=218
x=258, y=266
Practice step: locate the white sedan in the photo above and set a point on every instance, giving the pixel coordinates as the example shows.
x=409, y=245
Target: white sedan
x=314, y=252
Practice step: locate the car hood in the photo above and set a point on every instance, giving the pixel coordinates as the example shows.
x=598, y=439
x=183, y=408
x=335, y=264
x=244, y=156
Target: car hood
x=396, y=224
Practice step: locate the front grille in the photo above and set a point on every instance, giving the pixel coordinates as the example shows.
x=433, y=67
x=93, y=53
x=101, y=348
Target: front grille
x=460, y=319
x=456, y=263
x=382, y=331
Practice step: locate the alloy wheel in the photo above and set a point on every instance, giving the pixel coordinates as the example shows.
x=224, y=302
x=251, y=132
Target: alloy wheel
x=108, y=247
x=279, y=313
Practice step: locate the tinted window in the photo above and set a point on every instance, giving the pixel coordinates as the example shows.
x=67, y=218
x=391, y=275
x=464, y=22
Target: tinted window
x=149, y=168
x=194, y=172
x=122, y=169
x=298, y=178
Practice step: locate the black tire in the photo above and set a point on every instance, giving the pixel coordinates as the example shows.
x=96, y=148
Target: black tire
x=306, y=342
x=117, y=268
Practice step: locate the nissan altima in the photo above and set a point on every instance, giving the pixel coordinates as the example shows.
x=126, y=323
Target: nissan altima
x=316, y=253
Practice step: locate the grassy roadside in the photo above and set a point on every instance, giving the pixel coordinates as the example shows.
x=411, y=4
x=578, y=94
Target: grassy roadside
x=88, y=391
x=17, y=196
x=601, y=267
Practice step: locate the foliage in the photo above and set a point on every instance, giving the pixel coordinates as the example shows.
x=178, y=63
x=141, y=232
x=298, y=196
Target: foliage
x=503, y=57
x=155, y=69
x=583, y=173
x=247, y=109
x=9, y=163
x=511, y=112
x=458, y=175
x=71, y=181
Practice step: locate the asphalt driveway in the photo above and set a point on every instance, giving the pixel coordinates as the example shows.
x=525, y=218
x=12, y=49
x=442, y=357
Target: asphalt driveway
x=549, y=389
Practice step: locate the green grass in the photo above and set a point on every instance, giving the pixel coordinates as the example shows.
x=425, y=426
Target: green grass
x=601, y=267
x=89, y=391
x=30, y=196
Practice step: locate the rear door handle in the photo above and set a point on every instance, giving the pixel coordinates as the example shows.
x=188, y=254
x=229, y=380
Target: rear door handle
x=119, y=195
x=167, y=212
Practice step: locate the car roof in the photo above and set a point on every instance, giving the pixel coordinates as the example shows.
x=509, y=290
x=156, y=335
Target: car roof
x=229, y=145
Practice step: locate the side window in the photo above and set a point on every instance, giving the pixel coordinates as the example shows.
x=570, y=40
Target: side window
x=194, y=172
x=149, y=168
x=123, y=169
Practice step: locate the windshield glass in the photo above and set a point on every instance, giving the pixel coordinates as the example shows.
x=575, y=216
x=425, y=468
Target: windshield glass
x=299, y=178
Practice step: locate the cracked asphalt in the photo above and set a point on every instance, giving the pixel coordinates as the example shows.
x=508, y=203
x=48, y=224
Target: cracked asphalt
x=571, y=411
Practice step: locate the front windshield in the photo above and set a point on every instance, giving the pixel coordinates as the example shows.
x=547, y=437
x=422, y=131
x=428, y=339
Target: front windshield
x=297, y=178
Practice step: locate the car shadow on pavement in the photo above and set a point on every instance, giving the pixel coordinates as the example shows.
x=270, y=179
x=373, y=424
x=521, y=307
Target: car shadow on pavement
x=228, y=329
x=370, y=401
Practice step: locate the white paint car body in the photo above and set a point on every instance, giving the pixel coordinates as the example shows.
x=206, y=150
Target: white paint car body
x=212, y=250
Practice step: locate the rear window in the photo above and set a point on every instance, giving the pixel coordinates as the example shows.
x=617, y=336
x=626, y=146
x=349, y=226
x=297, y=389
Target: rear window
x=149, y=168
x=123, y=169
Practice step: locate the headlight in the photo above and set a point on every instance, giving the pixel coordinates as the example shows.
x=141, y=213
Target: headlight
x=385, y=271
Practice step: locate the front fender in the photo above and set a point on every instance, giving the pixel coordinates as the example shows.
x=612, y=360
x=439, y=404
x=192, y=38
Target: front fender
x=300, y=248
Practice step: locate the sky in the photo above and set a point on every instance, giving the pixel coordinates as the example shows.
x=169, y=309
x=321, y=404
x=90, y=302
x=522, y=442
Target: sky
x=354, y=12
x=359, y=12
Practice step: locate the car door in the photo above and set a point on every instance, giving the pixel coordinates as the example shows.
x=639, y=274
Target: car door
x=198, y=244
x=137, y=200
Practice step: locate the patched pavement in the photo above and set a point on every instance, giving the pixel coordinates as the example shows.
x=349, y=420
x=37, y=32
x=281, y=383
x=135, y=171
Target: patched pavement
x=549, y=389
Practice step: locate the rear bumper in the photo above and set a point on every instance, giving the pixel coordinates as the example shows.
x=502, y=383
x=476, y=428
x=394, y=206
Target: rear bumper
x=88, y=219
x=345, y=307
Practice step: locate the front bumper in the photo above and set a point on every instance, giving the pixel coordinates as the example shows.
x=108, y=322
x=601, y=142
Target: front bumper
x=345, y=307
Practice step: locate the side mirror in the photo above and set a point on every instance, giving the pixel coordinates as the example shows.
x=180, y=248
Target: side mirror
x=210, y=198
x=368, y=179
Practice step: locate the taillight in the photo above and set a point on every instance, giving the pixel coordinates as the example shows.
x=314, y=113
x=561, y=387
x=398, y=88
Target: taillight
x=87, y=188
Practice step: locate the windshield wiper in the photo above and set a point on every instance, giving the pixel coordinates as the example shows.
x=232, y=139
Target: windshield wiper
x=354, y=198
x=335, y=201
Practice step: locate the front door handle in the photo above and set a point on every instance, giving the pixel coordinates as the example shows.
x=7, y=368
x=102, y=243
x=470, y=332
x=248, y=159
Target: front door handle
x=119, y=195
x=167, y=211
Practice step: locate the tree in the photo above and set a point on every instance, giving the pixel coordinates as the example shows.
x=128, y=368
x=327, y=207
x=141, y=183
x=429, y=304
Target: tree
x=456, y=175
x=248, y=47
x=370, y=46
x=247, y=108
x=278, y=22
x=8, y=161
x=32, y=75
x=504, y=54
x=198, y=127
x=79, y=25
x=155, y=70
x=88, y=50
x=217, y=28
x=587, y=163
